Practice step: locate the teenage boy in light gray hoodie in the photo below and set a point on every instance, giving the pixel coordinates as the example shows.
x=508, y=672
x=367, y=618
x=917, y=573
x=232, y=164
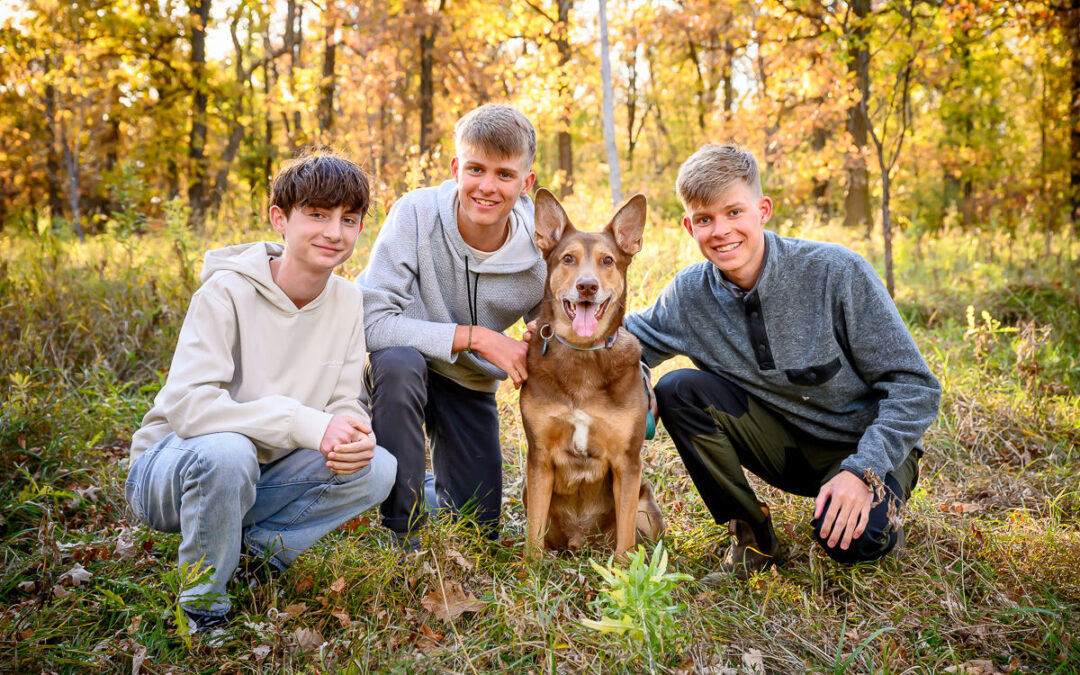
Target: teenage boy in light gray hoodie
x=453, y=267
x=807, y=376
x=259, y=441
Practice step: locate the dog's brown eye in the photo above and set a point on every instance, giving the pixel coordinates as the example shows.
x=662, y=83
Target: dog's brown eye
x=568, y=259
x=608, y=260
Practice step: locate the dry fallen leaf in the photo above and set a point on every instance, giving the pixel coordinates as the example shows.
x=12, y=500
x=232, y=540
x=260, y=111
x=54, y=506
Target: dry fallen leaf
x=27, y=586
x=305, y=585
x=308, y=639
x=137, y=659
x=77, y=574
x=975, y=667
x=59, y=592
x=338, y=586
x=296, y=609
x=125, y=544
x=260, y=652
x=459, y=559
x=342, y=616
x=753, y=662
x=967, y=507
x=450, y=601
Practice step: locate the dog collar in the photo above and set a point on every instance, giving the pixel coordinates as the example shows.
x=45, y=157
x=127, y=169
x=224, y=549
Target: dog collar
x=606, y=344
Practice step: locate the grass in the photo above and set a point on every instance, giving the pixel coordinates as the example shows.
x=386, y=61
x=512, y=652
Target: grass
x=989, y=580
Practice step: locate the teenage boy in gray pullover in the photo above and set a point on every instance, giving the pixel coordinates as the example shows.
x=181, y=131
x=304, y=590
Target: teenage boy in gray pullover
x=453, y=267
x=807, y=376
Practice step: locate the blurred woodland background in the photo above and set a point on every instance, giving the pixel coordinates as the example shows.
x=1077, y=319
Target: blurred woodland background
x=939, y=113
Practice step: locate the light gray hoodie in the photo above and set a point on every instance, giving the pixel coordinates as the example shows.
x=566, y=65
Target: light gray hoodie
x=248, y=361
x=421, y=282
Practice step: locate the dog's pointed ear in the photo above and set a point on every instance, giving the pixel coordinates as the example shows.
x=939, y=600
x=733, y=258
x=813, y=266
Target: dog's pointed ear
x=628, y=224
x=551, y=221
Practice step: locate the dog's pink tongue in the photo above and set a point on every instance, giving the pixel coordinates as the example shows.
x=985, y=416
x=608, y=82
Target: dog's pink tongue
x=585, y=320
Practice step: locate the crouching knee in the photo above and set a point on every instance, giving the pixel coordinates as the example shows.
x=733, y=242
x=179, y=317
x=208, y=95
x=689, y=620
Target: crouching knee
x=876, y=541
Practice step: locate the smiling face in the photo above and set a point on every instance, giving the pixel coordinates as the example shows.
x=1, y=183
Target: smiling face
x=587, y=271
x=730, y=232
x=488, y=188
x=317, y=239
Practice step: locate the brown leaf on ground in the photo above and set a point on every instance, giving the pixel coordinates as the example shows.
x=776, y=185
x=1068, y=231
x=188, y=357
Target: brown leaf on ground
x=77, y=575
x=459, y=559
x=966, y=507
x=305, y=585
x=974, y=667
x=27, y=586
x=137, y=659
x=342, y=616
x=296, y=609
x=338, y=586
x=308, y=639
x=754, y=662
x=125, y=544
x=450, y=601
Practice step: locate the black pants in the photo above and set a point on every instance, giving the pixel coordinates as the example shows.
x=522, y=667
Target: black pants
x=463, y=426
x=718, y=429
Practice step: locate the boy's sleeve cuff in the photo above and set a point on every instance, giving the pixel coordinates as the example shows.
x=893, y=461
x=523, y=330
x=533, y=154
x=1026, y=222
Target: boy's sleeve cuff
x=309, y=427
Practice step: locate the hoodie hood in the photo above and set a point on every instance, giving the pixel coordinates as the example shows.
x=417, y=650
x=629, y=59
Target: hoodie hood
x=518, y=254
x=252, y=261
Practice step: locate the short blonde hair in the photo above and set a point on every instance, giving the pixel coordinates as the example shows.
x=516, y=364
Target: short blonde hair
x=499, y=130
x=708, y=173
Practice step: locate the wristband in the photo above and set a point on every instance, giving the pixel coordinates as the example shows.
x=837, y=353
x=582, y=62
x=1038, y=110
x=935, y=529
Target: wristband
x=468, y=347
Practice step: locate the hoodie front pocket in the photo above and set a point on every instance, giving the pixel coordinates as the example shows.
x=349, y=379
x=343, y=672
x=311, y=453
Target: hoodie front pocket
x=814, y=375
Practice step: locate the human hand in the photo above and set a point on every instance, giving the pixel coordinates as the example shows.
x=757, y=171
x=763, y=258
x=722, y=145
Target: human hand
x=652, y=395
x=349, y=458
x=530, y=329
x=849, y=509
x=341, y=430
x=504, y=352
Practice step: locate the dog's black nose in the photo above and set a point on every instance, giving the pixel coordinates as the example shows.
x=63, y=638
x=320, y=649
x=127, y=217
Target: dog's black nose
x=587, y=287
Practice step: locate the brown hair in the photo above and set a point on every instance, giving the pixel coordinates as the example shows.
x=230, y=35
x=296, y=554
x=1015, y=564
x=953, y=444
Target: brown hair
x=499, y=130
x=321, y=178
x=710, y=171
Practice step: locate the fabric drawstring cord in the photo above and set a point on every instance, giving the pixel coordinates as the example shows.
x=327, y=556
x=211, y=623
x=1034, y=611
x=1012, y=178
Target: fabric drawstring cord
x=470, y=293
x=606, y=344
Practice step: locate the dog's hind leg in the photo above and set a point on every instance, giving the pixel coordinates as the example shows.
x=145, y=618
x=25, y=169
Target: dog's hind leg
x=650, y=522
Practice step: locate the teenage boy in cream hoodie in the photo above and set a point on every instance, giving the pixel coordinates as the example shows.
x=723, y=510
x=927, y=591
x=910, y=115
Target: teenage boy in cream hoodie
x=452, y=267
x=258, y=441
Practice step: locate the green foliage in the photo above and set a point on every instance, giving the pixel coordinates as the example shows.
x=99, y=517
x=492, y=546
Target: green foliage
x=637, y=601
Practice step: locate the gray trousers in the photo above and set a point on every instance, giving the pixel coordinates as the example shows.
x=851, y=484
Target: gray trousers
x=719, y=429
x=407, y=400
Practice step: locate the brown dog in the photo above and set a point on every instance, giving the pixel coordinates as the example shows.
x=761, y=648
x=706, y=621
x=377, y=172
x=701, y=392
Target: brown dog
x=584, y=404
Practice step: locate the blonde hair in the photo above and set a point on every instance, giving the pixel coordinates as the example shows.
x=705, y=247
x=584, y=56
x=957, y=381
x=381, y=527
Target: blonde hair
x=498, y=130
x=708, y=173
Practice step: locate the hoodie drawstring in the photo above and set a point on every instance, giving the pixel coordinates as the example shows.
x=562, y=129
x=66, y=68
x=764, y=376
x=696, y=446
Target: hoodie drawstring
x=470, y=291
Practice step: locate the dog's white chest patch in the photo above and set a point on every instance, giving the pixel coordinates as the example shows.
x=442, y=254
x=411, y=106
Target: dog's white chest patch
x=580, y=420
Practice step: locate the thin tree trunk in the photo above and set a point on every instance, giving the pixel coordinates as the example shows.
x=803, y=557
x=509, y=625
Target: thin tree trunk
x=1072, y=26
x=428, y=33
x=566, y=101
x=52, y=160
x=857, y=199
x=200, y=14
x=328, y=84
x=615, y=176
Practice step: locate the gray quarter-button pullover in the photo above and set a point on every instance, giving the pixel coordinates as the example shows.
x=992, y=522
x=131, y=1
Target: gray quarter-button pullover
x=817, y=339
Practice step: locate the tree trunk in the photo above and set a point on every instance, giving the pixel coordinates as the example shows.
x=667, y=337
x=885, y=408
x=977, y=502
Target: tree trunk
x=886, y=231
x=428, y=33
x=197, y=190
x=566, y=101
x=857, y=199
x=328, y=83
x=615, y=176
x=818, y=138
x=1072, y=26
x=52, y=160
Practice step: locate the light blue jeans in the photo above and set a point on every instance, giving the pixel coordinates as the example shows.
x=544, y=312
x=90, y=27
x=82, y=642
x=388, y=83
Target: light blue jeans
x=213, y=491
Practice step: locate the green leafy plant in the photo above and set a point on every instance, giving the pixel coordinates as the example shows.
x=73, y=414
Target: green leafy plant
x=637, y=601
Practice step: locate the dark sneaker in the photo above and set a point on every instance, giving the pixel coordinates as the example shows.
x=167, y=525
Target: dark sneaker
x=748, y=553
x=205, y=624
x=255, y=571
x=406, y=542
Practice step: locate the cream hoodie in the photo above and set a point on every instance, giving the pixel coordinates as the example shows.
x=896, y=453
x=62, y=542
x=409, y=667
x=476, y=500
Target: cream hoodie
x=248, y=361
